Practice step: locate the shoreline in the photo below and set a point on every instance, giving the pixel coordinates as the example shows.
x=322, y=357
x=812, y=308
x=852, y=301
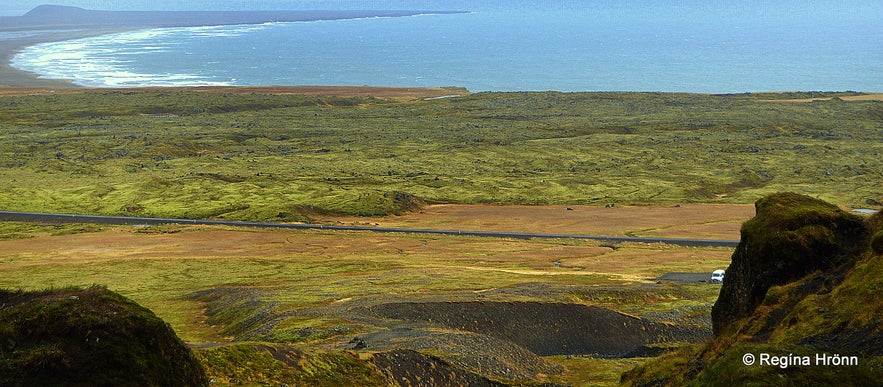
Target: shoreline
x=34, y=30
x=46, y=24
x=388, y=92
x=13, y=76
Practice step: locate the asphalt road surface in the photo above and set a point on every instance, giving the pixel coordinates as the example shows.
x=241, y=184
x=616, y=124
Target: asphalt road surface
x=125, y=220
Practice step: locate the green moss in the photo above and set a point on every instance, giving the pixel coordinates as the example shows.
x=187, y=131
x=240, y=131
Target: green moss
x=788, y=370
x=858, y=301
x=669, y=369
x=800, y=230
x=22, y=230
x=790, y=236
x=262, y=157
x=274, y=364
x=875, y=224
x=89, y=337
x=877, y=243
x=830, y=302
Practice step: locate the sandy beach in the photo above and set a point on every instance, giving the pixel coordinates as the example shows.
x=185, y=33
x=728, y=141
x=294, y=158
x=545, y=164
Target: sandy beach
x=59, y=23
x=14, y=81
x=11, y=76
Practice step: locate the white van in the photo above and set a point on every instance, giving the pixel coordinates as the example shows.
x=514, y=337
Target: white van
x=717, y=276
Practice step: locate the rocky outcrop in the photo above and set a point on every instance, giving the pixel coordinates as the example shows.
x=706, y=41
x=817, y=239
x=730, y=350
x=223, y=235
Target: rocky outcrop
x=791, y=236
x=805, y=282
x=91, y=337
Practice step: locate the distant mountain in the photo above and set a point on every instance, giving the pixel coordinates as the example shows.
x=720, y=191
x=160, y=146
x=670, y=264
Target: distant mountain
x=55, y=11
x=56, y=16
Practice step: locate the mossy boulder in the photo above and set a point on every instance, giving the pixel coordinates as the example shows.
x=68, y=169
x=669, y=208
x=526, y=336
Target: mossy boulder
x=91, y=337
x=875, y=224
x=790, y=236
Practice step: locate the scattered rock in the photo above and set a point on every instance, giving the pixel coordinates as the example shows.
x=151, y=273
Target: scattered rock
x=357, y=343
x=411, y=368
x=544, y=328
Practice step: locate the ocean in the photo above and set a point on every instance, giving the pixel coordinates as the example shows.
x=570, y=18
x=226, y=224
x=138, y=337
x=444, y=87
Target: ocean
x=563, y=50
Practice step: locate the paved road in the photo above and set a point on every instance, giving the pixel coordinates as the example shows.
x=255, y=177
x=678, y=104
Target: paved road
x=686, y=277
x=71, y=218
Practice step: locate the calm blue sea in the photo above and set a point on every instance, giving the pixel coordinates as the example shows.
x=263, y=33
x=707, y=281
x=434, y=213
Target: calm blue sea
x=565, y=50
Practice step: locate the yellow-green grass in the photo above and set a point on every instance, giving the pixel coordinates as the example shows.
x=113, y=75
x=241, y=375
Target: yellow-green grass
x=300, y=269
x=262, y=157
x=587, y=371
x=269, y=157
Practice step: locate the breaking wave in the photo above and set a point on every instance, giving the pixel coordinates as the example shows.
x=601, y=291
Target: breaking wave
x=113, y=60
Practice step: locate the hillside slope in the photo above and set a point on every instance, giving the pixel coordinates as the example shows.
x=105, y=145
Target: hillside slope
x=801, y=304
x=91, y=337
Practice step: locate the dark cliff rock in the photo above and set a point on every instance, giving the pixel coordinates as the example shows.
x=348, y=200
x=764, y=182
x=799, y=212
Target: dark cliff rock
x=875, y=224
x=91, y=337
x=791, y=236
x=805, y=281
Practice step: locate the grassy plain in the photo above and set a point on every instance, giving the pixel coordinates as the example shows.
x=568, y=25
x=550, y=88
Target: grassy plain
x=288, y=157
x=299, y=288
x=362, y=159
x=158, y=266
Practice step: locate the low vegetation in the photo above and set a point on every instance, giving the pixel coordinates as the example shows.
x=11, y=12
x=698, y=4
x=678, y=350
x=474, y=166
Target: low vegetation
x=312, y=307
x=286, y=157
x=282, y=306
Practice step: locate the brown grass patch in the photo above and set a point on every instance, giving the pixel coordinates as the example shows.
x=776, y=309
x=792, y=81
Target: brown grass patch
x=863, y=97
x=708, y=221
x=159, y=266
x=404, y=93
x=526, y=257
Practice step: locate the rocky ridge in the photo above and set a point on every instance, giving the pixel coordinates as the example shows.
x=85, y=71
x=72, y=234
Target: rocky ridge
x=804, y=284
